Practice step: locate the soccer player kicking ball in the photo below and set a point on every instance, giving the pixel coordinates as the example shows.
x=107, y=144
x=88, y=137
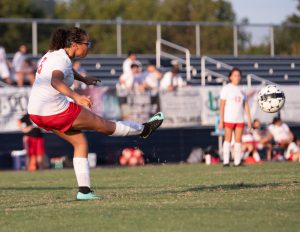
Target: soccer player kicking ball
x=51, y=110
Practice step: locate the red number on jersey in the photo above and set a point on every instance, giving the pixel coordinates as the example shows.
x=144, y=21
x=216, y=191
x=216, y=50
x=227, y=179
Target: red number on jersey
x=41, y=65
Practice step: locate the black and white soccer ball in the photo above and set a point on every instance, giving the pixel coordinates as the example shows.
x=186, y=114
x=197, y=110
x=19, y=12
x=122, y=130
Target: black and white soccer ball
x=271, y=98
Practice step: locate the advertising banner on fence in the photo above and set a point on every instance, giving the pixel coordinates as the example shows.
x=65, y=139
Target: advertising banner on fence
x=138, y=106
x=105, y=102
x=190, y=106
x=13, y=105
x=182, y=108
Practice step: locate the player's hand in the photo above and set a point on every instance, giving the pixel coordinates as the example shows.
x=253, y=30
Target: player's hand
x=221, y=125
x=84, y=101
x=250, y=127
x=89, y=80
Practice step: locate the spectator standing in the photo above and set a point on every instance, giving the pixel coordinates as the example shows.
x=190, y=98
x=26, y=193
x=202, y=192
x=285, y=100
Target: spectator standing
x=172, y=80
x=126, y=80
x=4, y=70
x=233, y=106
x=33, y=143
x=150, y=78
x=22, y=66
x=131, y=58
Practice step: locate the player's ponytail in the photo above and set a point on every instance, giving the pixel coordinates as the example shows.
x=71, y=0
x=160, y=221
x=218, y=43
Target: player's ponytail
x=58, y=39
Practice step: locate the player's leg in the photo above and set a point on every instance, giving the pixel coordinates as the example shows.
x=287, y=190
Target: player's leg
x=238, y=132
x=40, y=151
x=80, y=162
x=87, y=120
x=226, y=145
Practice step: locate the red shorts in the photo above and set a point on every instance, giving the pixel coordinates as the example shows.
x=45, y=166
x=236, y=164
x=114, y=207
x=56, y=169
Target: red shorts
x=34, y=146
x=234, y=125
x=62, y=121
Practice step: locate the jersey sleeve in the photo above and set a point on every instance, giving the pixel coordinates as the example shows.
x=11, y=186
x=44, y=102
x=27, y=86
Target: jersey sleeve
x=61, y=64
x=223, y=94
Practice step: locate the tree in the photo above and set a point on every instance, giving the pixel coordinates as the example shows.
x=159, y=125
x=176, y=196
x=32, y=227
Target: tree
x=287, y=36
x=13, y=34
x=142, y=38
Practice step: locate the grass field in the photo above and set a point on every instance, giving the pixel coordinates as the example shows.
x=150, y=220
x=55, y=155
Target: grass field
x=155, y=198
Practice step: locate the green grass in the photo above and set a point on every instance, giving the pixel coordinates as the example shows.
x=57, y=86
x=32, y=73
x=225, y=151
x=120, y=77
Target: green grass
x=155, y=198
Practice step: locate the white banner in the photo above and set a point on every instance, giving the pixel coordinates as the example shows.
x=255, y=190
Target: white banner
x=182, y=108
x=187, y=107
x=13, y=105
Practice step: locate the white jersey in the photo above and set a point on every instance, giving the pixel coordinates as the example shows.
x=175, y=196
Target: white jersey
x=44, y=100
x=279, y=133
x=234, y=103
x=127, y=65
x=292, y=148
x=170, y=80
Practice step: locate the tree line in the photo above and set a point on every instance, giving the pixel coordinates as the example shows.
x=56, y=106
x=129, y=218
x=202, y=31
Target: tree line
x=141, y=38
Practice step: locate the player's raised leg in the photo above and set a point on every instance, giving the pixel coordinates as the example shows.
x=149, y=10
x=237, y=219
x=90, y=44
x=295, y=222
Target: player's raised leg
x=87, y=120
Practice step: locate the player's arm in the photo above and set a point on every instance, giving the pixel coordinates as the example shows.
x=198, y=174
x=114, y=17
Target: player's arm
x=58, y=84
x=22, y=128
x=88, y=80
x=248, y=115
x=222, y=107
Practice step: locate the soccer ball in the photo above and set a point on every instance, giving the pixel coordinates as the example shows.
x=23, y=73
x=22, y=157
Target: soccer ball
x=271, y=98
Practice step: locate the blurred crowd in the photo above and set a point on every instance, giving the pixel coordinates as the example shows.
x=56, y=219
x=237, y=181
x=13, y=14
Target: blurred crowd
x=150, y=79
x=21, y=71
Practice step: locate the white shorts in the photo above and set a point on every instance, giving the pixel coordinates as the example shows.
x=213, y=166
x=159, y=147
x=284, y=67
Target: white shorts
x=4, y=72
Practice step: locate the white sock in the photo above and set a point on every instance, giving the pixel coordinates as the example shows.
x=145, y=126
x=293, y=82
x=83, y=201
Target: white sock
x=82, y=171
x=226, y=152
x=256, y=156
x=124, y=128
x=237, y=153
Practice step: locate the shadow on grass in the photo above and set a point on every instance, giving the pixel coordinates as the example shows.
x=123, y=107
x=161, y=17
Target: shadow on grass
x=237, y=186
x=55, y=188
x=37, y=204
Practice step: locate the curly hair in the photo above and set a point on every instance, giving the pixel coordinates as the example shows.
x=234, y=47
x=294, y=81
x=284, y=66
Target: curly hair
x=63, y=38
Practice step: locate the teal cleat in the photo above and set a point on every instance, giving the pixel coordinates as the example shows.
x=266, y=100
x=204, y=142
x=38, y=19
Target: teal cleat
x=89, y=196
x=154, y=122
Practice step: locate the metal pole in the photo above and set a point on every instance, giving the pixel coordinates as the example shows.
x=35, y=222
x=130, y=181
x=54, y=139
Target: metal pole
x=249, y=81
x=235, y=41
x=197, y=29
x=34, y=38
x=272, y=52
x=203, y=71
x=158, y=31
x=188, y=64
x=158, y=51
x=119, y=36
x=158, y=45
